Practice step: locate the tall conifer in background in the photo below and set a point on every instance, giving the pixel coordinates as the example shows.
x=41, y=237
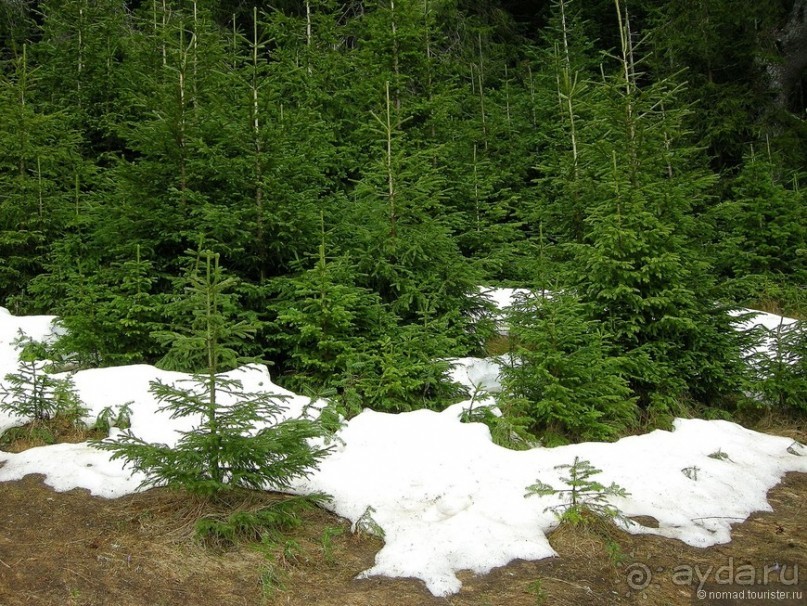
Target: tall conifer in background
x=405, y=246
x=724, y=46
x=761, y=233
x=39, y=161
x=488, y=145
x=637, y=267
x=275, y=149
x=563, y=99
x=82, y=52
x=165, y=186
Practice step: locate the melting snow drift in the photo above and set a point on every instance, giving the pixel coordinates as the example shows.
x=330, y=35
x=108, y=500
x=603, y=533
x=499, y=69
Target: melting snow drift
x=446, y=497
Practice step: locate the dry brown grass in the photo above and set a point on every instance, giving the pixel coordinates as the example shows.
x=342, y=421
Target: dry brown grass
x=78, y=550
x=59, y=429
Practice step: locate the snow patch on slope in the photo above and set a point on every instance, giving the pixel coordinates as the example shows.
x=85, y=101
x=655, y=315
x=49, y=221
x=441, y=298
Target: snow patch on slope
x=446, y=497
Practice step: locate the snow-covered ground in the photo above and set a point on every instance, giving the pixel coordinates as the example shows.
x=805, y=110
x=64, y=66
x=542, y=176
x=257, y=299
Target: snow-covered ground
x=446, y=497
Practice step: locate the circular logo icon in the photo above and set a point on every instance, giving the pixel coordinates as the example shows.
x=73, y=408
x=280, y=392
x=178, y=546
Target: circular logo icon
x=639, y=576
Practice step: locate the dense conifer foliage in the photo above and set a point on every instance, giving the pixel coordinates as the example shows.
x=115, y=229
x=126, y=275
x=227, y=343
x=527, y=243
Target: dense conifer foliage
x=362, y=166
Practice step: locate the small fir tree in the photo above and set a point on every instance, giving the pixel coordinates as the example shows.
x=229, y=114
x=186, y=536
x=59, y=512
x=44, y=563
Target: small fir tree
x=583, y=494
x=50, y=406
x=31, y=392
x=241, y=440
x=780, y=370
x=762, y=229
x=323, y=319
x=108, y=313
x=402, y=371
x=564, y=377
x=337, y=334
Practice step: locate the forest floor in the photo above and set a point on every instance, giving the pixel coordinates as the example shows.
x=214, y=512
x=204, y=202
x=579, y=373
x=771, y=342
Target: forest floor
x=73, y=549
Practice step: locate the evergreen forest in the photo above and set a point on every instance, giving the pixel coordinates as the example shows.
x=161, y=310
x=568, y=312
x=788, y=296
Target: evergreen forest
x=359, y=168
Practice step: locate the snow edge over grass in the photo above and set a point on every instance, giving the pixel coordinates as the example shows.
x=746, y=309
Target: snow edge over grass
x=445, y=496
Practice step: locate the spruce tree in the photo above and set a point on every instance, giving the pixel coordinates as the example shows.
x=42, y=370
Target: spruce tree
x=761, y=227
x=403, y=369
x=39, y=156
x=405, y=244
x=638, y=268
x=564, y=375
x=333, y=334
x=779, y=380
x=323, y=320
x=563, y=99
x=275, y=150
x=241, y=439
x=167, y=186
x=32, y=392
x=724, y=59
x=109, y=313
x=80, y=52
x=486, y=227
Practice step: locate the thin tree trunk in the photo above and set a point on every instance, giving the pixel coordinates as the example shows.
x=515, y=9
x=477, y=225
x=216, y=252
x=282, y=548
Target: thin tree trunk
x=507, y=99
x=164, y=23
x=235, y=43
x=570, y=88
x=77, y=194
x=667, y=145
x=183, y=61
x=194, y=51
x=429, y=75
x=396, y=68
x=23, y=132
x=212, y=368
x=392, y=211
x=308, y=35
x=532, y=96
x=258, y=148
x=480, y=75
x=40, y=197
x=80, y=53
x=628, y=68
x=478, y=210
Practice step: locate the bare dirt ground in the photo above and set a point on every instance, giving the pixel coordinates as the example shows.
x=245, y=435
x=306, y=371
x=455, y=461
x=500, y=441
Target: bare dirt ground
x=72, y=549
